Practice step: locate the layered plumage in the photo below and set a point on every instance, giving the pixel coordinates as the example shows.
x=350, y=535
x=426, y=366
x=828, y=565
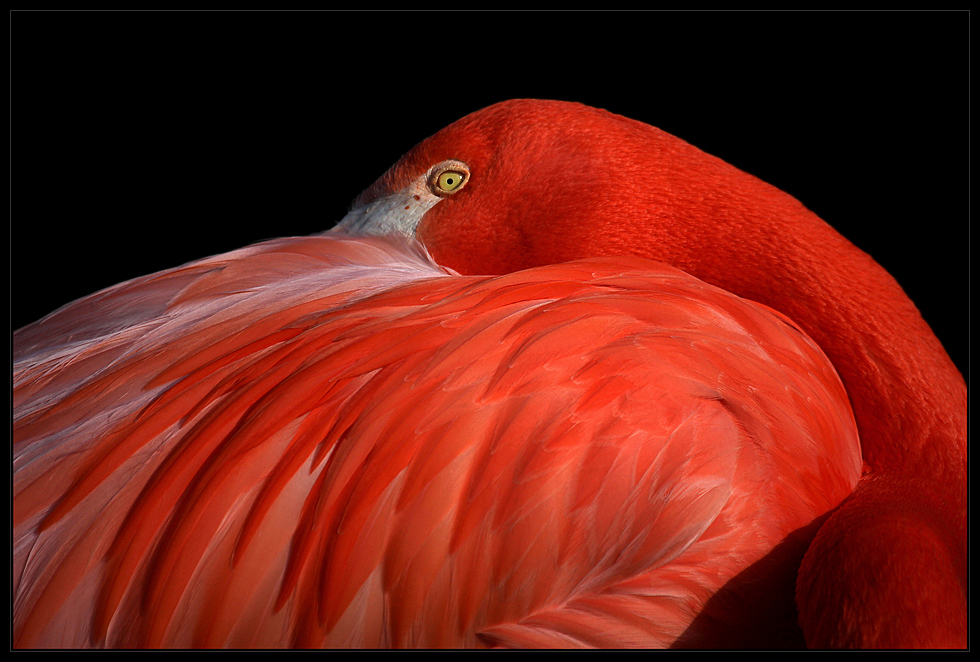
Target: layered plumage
x=284, y=458
x=332, y=441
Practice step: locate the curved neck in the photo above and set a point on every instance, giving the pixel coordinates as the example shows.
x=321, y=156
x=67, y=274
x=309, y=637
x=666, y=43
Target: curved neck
x=736, y=232
x=908, y=398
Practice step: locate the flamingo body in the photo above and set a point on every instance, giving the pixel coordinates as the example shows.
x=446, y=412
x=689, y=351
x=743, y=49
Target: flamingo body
x=320, y=441
x=333, y=441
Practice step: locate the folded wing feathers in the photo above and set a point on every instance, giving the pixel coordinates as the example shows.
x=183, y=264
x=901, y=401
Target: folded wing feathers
x=482, y=461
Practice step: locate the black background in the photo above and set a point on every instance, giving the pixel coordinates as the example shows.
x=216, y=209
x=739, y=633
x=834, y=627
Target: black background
x=143, y=140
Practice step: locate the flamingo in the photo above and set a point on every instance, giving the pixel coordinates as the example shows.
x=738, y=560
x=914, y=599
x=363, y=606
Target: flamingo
x=681, y=410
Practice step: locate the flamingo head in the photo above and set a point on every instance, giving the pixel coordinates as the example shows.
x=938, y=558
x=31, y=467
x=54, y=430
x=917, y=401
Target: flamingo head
x=526, y=182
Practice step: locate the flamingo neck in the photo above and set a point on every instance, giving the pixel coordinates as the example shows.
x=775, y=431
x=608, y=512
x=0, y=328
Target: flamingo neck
x=908, y=398
x=699, y=214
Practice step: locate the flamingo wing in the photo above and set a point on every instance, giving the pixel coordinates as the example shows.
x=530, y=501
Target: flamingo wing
x=330, y=441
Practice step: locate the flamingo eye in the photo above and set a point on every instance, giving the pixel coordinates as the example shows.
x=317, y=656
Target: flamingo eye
x=448, y=177
x=449, y=180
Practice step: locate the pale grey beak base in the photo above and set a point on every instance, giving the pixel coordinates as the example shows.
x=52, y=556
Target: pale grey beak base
x=398, y=213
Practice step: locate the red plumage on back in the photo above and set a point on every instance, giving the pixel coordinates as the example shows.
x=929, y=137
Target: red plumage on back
x=584, y=429
x=332, y=441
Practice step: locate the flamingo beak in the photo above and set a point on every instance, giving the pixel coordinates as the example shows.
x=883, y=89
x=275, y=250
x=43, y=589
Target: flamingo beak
x=397, y=213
